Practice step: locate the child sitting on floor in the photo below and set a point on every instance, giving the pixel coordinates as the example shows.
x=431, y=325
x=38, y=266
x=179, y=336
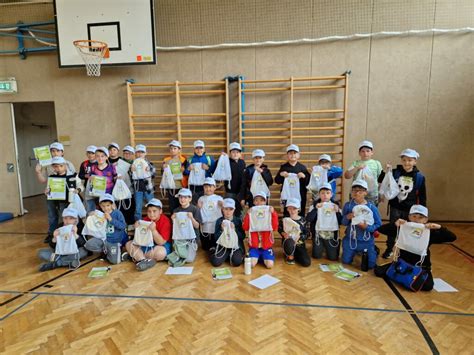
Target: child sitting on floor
x=229, y=246
x=294, y=232
x=438, y=235
x=144, y=252
x=115, y=231
x=68, y=246
x=260, y=221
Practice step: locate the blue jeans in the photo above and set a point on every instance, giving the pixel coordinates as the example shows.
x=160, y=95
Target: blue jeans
x=351, y=248
x=55, y=210
x=61, y=260
x=139, y=197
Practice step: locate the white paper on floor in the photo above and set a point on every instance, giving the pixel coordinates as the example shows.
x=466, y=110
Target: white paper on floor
x=183, y=270
x=264, y=281
x=442, y=286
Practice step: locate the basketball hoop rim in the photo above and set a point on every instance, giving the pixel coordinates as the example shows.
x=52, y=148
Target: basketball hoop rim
x=79, y=43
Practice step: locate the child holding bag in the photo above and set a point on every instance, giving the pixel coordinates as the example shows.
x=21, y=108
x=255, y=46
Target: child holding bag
x=324, y=222
x=144, y=252
x=260, y=221
x=292, y=166
x=254, y=183
x=412, y=191
x=229, y=239
x=294, y=232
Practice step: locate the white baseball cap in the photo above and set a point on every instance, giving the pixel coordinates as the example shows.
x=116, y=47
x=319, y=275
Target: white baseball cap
x=326, y=186
x=175, y=143
x=91, y=149
x=325, y=157
x=56, y=145
x=58, y=160
x=258, y=153
x=106, y=197
x=367, y=144
x=361, y=183
x=103, y=150
x=419, y=209
x=293, y=147
x=293, y=202
x=229, y=203
x=235, y=146
x=209, y=181
x=154, y=202
x=114, y=145
x=410, y=153
x=261, y=194
x=70, y=212
x=184, y=192
x=140, y=148
x=199, y=143
x=129, y=148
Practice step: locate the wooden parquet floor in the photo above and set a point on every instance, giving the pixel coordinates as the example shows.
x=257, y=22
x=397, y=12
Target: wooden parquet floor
x=308, y=312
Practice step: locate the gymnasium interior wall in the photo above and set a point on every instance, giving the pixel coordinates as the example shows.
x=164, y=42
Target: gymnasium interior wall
x=406, y=91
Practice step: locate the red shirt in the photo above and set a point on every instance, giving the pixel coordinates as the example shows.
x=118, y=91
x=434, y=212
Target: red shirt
x=163, y=226
x=266, y=236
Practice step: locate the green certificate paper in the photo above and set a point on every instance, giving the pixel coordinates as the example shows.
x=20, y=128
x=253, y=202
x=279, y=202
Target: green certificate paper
x=43, y=155
x=57, y=188
x=221, y=274
x=175, y=166
x=99, y=185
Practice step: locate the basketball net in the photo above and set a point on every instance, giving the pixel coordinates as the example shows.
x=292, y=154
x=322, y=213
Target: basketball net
x=92, y=53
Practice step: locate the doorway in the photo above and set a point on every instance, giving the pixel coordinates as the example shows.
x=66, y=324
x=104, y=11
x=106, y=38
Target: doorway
x=35, y=125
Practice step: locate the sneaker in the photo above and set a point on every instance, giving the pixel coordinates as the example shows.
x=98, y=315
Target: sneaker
x=387, y=254
x=290, y=260
x=126, y=257
x=48, y=266
x=145, y=264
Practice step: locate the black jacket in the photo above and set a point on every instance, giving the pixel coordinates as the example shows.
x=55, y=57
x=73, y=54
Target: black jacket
x=298, y=168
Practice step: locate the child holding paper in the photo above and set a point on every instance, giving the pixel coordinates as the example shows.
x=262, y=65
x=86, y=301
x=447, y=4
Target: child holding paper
x=59, y=184
x=102, y=178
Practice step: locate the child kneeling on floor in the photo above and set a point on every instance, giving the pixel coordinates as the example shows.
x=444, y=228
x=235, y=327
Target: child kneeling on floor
x=152, y=240
x=260, y=221
x=229, y=237
x=362, y=218
x=438, y=235
x=68, y=247
x=324, y=222
x=115, y=236
x=294, y=232
x=186, y=222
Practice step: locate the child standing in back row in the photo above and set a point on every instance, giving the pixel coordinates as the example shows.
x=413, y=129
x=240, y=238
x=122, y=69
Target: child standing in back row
x=295, y=167
x=412, y=192
x=258, y=156
x=178, y=164
x=200, y=166
x=143, y=173
x=357, y=171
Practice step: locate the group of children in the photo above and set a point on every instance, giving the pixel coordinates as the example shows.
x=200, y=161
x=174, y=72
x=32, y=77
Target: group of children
x=115, y=188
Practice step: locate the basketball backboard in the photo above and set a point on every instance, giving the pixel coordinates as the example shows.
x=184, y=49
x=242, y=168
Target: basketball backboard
x=127, y=26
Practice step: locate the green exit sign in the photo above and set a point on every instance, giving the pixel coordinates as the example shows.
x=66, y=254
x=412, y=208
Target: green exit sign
x=8, y=86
